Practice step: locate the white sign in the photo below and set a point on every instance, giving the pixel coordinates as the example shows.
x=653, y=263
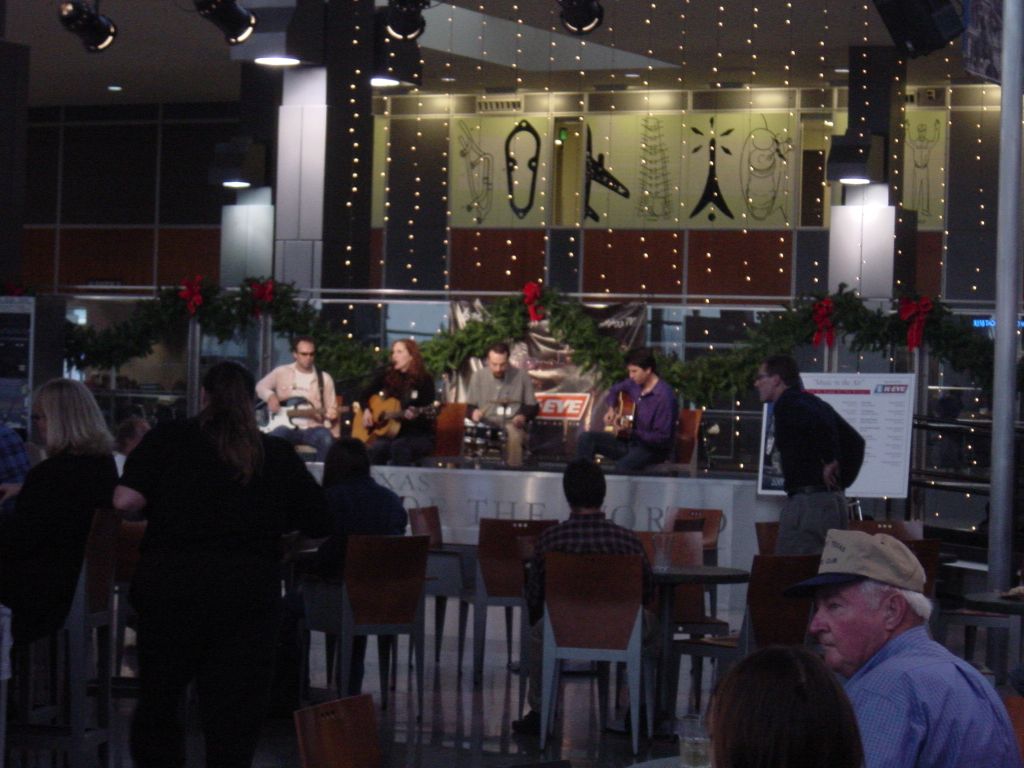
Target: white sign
x=562, y=406
x=878, y=405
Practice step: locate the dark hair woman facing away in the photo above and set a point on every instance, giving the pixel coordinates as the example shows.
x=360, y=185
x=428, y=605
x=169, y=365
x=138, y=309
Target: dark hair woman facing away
x=217, y=496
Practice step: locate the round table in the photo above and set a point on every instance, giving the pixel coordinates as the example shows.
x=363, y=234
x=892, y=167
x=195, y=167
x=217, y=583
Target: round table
x=995, y=602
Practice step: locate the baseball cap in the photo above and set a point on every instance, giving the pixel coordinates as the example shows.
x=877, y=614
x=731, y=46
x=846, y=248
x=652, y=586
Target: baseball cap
x=850, y=556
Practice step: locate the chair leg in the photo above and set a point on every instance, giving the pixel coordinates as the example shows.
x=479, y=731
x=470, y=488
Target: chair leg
x=970, y=641
x=463, y=618
x=508, y=635
x=417, y=640
x=633, y=673
x=394, y=661
x=696, y=680
x=648, y=686
x=440, y=608
x=330, y=653
x=549, y=696
x=524, y=656
x=343, y=664
x=479, y=636
x=604, y=674
x=384, y=660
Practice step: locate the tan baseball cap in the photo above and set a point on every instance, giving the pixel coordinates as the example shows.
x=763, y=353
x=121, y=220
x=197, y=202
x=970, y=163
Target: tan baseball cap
x=853, y=555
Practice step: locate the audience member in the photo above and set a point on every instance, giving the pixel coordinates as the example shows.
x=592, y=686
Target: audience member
x=217, y=495
x=127, y=436
x=42, y=542
x=780, y=707
x=586, y=532
x=917, y=705
x=14, y=464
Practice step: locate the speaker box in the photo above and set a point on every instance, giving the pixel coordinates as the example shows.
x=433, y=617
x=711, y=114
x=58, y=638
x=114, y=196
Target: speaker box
x=920, y=26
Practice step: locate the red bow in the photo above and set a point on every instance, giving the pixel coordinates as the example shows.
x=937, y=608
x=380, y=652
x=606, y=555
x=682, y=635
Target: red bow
x=262, y=295
x=192, y=292
x=531, y=295
x=822, y=316
x=915, y=314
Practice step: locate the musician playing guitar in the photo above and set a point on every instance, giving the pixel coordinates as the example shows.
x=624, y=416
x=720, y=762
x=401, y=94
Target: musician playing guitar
x=302, y=379
x=407, y=381
x=655, y=415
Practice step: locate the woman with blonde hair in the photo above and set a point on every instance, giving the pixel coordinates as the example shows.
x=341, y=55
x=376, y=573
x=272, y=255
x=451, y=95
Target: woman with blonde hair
x=42, y=542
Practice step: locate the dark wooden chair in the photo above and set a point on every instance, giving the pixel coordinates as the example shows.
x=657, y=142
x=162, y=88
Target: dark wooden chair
x=339, y=734
x=767, y=536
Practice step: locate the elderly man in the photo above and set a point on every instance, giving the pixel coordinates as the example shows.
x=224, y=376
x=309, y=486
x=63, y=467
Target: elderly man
x=916, y=703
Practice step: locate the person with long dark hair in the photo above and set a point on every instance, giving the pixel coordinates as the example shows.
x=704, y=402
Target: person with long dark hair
x=217, y=495
x=406, y=381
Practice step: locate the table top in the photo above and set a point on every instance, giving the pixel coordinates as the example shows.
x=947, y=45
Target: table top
x=700, y=574
x=661, y=762
x=994, y=601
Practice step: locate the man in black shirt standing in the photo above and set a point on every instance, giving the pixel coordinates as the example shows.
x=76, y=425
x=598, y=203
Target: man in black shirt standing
x=806, y=438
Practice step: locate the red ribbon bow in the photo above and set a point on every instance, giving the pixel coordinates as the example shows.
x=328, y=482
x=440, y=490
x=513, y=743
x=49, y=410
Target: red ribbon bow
x=262, y=295
x=915, y=314
x=531, y=295
x=192, y=292
x=822, y=316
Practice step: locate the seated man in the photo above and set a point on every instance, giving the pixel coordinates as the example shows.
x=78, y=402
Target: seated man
x=649, y=438
x=587, y=531
x=302, y=379
x=917, y=705
x=502, y=396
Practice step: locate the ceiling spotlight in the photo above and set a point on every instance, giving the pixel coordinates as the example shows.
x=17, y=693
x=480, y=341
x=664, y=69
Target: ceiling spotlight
x=96, y=32
x=581, y=17
x=405, y=18
x=229, y=17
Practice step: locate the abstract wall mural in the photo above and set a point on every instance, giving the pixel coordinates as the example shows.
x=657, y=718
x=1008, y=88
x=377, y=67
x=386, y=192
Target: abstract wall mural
x=522, y=161
x=478, y=168
x=763, y=165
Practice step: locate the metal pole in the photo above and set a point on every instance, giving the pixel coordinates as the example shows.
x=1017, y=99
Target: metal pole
x=1000, y=532
x=193, y=348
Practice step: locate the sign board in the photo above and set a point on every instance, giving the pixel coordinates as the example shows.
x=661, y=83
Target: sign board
x=563, y=406
x=878, y=405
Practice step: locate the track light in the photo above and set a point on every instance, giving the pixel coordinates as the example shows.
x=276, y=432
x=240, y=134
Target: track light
x=229, y=17
x=96, y=32
x=405, y=18
x=581, y=17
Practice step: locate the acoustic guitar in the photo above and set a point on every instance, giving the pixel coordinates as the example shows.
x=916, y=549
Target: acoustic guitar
x=622, y=421
x=388, y=415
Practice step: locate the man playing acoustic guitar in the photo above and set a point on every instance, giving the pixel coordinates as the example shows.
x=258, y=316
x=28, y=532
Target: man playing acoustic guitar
x=647, y=439
x=308, y=424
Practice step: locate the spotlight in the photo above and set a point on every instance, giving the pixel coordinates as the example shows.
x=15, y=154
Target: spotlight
x=581, y=17
x=96, y=32
x=229, y=17
x=405, y=18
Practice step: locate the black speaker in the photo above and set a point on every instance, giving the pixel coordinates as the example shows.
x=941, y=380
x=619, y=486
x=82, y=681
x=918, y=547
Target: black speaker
x=920, y=26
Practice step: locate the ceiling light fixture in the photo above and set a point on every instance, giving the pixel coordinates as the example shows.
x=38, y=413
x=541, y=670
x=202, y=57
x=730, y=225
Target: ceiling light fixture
x=229, y=17
x=405, y=18
x=95, y=31
x=277, y=61
x=581, y=17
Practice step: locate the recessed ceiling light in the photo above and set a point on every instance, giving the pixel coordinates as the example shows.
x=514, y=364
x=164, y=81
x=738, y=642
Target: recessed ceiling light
x=447, y=79
x=842, y=70
x=115, y=88
x=237, y=184
x=378, y=81
x=632, y=74
x=277, y=61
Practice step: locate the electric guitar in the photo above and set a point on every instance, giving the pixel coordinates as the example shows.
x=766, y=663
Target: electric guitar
x=622, y=421
x=295, y=408
x=388, y=415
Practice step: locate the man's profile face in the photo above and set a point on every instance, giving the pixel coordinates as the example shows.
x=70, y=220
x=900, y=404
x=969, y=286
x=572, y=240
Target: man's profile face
x=849, y=627
x=767, y=385
x=497, y=363
x=304, y=353
x=638, y=374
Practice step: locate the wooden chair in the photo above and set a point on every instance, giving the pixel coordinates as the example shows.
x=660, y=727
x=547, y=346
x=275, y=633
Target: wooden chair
x=449, y=429
x=767, y=535
x=593, y=612
x=688, y=438
x=904, y=530
x=712, y=523
x=770, y=618
x=444, y=577
x=1015, y=708
x=500, y=580
x=88, y=626
x=339, y=734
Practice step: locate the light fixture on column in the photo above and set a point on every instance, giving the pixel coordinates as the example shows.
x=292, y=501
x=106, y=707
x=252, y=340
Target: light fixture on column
x=238, y=164
x=855, y=159
x=405, y=18
x=581, y=17
x=229, y=17
x=396, y=60
x=95, y=31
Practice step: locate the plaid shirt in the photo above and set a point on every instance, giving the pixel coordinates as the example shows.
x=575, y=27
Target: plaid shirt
x=13, y=460
x=583, y=535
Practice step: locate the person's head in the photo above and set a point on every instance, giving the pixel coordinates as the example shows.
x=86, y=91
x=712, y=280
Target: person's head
x=304, y=352
x=584, y=484
x=227, y=417
x=66, y=419
x=346, y=459
x=497, y=359
x=406, y=357
x=869, y=589
x=129, y=433
x=780, y=707
x=774, y=376
x=641, y=365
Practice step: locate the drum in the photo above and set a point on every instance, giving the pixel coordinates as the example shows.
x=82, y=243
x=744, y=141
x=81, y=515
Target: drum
x=479, y=437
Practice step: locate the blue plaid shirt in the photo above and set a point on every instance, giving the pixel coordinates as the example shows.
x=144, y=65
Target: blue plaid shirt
x=13, y=461
x=919, y=706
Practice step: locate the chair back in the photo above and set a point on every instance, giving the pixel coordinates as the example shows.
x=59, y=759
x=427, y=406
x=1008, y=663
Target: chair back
x=426, y=521
x=339, y=734
x=498, y=553
x=592, y=600
x=101, y=560
x=904, y=530
x=774, y=618
x=1015, y=708
x=687, y=434
x=927, y=551
x=767, y=536
x=384, y=577
x=712, y=523
x=685, y=548
x=449, y=429
x=129, y=541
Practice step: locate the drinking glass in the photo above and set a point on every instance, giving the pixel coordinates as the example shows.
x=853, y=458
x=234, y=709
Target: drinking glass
x=662, y=551
x=694, y=745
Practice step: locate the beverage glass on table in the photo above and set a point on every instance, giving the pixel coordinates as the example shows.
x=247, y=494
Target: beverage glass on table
x=662, y=551
x=694, y=745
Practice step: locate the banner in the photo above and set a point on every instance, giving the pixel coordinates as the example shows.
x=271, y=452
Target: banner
x=983, y=39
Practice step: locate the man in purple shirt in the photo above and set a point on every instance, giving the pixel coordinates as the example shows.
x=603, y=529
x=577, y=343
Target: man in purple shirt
x=917, y=705
x=650, y=438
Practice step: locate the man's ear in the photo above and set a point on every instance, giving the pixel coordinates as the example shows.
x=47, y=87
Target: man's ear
x=894, y=610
